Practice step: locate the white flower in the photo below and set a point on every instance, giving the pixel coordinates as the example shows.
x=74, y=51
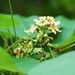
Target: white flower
x=53, y=27
x=41, y=22
x=36, y=20
x=42, y=18
x=32, y=29
x=17, y=51
x=50, y=19
x=27, y=31
x=57, y=23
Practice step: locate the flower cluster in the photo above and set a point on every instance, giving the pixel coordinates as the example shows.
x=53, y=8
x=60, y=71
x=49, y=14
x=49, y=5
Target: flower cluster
x=48, y=22
x=41, y=43
x=23, y=49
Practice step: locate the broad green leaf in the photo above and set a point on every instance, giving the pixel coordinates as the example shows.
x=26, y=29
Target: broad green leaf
x=16, y=64
x=69, y=41
x=67, y=29
x=6, y=61
x=62, y=65
x=6, y=21
x=25, y=64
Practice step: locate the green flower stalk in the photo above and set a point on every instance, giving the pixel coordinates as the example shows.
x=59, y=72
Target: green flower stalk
x=12, y=19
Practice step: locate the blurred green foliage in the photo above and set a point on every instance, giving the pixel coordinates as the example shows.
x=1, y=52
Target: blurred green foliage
x=40, y=7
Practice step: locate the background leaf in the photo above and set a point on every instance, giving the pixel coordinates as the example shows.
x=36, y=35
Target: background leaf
x=25, y=24
x=15, y=64
x=62, y=65
x=6, y=61
x=68, y=27
x=25, y=64
x=6, y=21
x=69, y=41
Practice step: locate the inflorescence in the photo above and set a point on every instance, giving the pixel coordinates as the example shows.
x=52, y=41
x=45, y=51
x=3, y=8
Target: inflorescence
x=40, y=45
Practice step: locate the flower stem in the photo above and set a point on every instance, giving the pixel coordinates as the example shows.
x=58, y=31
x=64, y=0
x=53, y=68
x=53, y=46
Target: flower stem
x=69, y=46
x=65, y=48
x=12, y=19
x=4, y=40
x=51, y=53
x=14, y=44
x=10, y=36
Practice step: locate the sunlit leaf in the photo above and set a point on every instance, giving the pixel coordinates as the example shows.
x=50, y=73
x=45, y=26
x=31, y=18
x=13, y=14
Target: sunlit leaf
x=16, y=64
x=6, y=21
x=6, y=61
x=5, y=33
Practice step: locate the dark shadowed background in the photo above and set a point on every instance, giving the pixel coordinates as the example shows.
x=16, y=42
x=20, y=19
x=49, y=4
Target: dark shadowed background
x=40, y=7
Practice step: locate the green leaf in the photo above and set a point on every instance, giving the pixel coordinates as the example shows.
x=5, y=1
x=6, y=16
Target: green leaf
x=25, y=64
x=6, y=61
x=62, y=65
x=6, y=21
x=5, y=33
x=69, y=41
x=16, y=64
x=67, y=26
